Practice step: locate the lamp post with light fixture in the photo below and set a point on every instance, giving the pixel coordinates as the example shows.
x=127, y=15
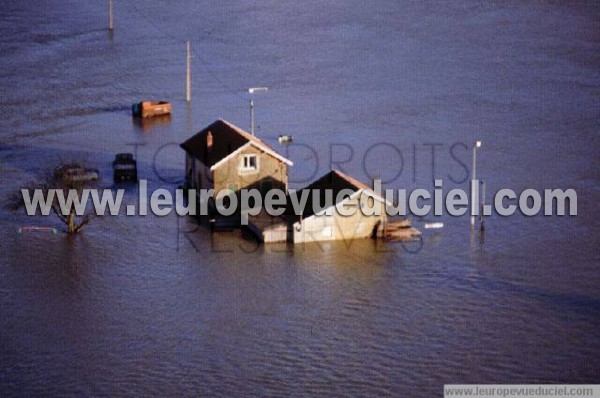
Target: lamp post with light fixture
x=474, y=186
x=251, y=91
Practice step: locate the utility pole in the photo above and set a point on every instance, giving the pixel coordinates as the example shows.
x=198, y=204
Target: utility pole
x=474, y=185
x=252, y=116
x=481, y=215
x=111, y=25
x=251, y=91
x=188, y=72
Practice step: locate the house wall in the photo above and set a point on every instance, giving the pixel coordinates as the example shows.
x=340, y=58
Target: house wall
x=269, y=233
x=271, y=173
x=337, y=227
x=204, y=178
x=197, y=175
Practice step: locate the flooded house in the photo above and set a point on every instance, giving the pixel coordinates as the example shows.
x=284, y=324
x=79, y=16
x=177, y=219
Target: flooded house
x=329, y=219
x=223, y=156
x=330, y=222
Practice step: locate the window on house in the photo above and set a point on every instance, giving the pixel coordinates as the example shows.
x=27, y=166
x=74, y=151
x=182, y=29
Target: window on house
x=250, y=163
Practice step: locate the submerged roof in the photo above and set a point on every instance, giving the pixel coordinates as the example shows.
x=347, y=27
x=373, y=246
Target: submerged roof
x=227, y=138
x=336, y=181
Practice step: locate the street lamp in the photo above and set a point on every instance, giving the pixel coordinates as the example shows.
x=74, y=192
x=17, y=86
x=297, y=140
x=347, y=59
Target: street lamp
x=481, y=214
x=474, y=186
x=251, y=91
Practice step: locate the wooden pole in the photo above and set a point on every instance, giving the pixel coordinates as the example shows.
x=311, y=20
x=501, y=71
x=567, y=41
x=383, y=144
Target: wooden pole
x=111, y=25
x=188, y=73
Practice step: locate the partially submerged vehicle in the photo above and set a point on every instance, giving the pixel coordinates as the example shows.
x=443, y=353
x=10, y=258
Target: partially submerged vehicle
x=151, y=108
x=149, y=123
x=125, y=167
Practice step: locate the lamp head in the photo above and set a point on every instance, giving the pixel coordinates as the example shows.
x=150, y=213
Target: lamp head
x=253, y=90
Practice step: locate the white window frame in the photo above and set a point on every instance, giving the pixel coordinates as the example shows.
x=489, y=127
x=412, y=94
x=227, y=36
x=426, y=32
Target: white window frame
x=245, y=161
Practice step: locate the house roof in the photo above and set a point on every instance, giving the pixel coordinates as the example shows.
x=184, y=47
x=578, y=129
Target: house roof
x=227, y=139
x=336, y=181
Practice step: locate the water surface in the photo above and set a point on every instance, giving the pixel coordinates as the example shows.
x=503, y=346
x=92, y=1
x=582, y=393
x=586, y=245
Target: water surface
x=152, y=305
